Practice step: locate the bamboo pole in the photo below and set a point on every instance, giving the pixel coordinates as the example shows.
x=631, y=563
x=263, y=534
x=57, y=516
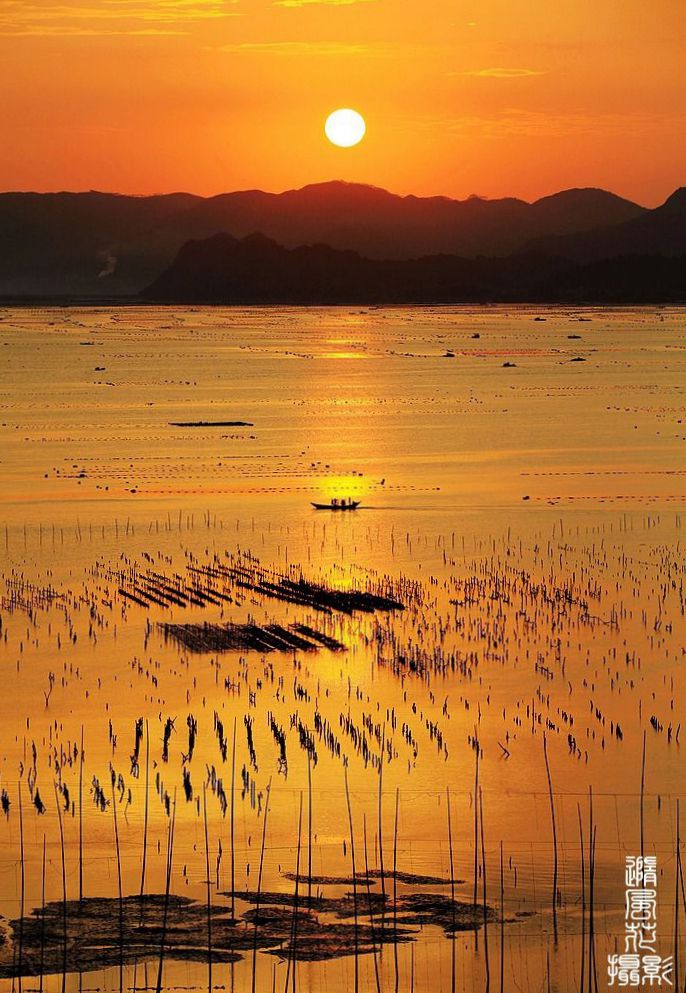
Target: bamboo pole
x=292, y=956
x=209, y=891
x=483, y=880
x=676, y=897
x=380, y=815
x=147, y=804
x=502, y=923
x=259, y=887
x=352, y=855
x=170, y=859
x=453, y=963
x=476, y=836
x=232, y=825
x=81, y=819
x=309, y=829
x=583, y=900
x=369, y=903
x=42, y=916
x=643, y=778
x=22, y=890
x=121, y=895
x=64, y=891
x=395, y=890
x=554, y=827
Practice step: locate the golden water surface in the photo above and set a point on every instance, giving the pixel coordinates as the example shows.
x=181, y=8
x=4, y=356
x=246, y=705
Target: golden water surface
x=522, y=483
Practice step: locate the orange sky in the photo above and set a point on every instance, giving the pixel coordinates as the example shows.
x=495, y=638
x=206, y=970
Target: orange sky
x=495, y=97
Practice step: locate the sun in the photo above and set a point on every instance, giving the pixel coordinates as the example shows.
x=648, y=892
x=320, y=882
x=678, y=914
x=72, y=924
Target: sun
x=345, y=127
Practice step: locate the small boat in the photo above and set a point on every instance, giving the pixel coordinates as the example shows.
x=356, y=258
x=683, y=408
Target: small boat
x=337, y=505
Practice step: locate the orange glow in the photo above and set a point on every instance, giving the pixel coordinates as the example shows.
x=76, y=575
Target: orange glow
x=497, y=98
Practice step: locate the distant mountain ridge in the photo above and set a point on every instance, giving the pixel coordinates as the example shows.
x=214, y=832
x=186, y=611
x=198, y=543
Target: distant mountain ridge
x=256, y=270
x=661, y=231
x=109, y=245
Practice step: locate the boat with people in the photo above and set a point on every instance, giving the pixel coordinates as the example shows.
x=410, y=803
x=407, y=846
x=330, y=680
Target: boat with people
x=336, y=504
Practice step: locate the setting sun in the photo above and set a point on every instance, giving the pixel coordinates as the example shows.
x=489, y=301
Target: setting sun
x=345, y=128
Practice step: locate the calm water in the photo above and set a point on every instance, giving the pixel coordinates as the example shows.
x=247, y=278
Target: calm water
x=525, y=506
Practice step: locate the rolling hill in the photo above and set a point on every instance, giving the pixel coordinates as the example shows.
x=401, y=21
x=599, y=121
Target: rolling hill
x=100, y=245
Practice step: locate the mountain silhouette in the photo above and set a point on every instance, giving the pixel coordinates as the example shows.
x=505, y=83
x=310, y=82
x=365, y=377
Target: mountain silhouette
x=661, y=231
x=380, y=224
x=257, y=270
x=107, y=245
x=64, y=243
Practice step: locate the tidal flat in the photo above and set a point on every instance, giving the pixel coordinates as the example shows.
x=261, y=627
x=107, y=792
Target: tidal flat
x=249, y=745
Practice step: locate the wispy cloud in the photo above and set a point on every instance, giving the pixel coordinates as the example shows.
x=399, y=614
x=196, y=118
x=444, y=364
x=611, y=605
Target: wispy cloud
x=500, y=72
x=68, y=31
x=539, y=124
x=21, y=18
x=299, y=48
x=308, y=3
